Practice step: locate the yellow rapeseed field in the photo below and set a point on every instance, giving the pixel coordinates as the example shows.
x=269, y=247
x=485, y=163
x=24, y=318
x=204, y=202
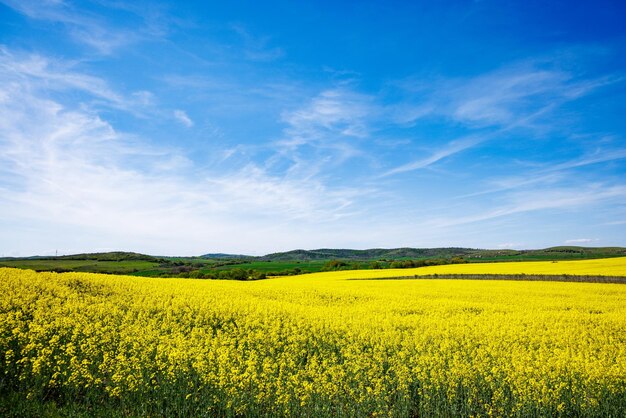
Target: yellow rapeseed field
x=597, y=267
x=315, y=345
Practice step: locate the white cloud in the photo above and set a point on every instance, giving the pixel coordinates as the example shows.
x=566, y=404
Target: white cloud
x=183, y=118
x=325, y=132
x=256, y=48
x=407, y=114
x=503, y=96
x=550, y=174
x=509, y=245
x=449, y=149
x=83, y=27
x=581, y=241
x=541, y=200
x=52, y=74
x=37, y=73
x=338, y=111
x=512, y=98
x=67, y=172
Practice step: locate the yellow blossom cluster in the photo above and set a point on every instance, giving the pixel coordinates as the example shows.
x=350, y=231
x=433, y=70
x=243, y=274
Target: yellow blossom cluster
x=314, y=345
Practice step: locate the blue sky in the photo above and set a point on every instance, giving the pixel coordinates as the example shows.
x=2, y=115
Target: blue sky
x=183, y=128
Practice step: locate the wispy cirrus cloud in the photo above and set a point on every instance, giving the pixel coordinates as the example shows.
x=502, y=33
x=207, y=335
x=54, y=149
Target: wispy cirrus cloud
x=53, y=74
x=90, y=29
x=257, y=48
x=505, y=96
x=37, y=72
x=541, y=200
x=551, y=173
x=157, y=122
x=501, y=97
x=183, y=118
x=449, y=149
x=519, y=97
x=66, y=167
x=326, y=131
x=337, y=111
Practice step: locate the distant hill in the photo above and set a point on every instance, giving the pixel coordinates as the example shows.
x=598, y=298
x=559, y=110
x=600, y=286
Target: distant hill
x=471, y=253
x=293, y=262
x=371, y=254
x=108, y=256
x=560, y=252
x=586, y=250
x=218, y=256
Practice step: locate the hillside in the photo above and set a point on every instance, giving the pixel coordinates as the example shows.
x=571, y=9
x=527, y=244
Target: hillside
x=106, y=256
x=472, y=253
x=370, y=254
x=220, y=265
x=222, y=256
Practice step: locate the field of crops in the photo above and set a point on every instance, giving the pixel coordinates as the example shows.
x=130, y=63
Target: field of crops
x=88, y=266
x=598, y=267
x=314, y=345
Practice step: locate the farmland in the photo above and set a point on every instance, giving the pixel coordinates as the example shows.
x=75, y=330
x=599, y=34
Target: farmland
x=596, y=267
x=294, y=262
x=323, y=344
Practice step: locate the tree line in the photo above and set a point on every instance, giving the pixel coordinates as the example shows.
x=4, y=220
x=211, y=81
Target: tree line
x=334, y=265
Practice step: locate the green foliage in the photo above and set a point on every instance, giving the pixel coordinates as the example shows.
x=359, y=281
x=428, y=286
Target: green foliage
x=564, y=253
x=110, y=256
x=335, y=265
x=290, y=263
